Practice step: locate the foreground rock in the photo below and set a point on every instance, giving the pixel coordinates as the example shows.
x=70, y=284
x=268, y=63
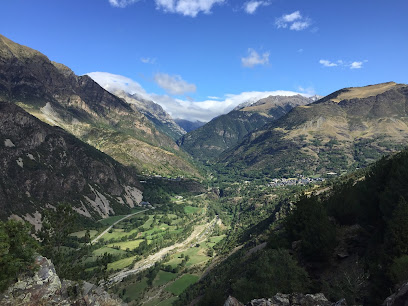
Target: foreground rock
x=280, y=299
x=46, y=288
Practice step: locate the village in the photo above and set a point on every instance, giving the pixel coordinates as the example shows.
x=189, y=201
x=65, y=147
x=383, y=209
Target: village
x=301, y=180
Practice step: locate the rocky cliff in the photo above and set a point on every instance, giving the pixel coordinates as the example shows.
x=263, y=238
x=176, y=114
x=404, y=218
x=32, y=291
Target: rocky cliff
x=43, y=166
x=46, y=288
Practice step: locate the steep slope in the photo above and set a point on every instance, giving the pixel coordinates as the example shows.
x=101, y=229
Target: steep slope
x=225, y=131
x=53, y=93
x=347, y=129
x=189, y=126
x=154, y=112
x=44, y=165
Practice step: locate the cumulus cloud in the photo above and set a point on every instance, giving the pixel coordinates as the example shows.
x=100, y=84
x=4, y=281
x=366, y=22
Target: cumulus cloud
x=173, y=84
x=185, y=108
x=251, y=6
x=341, y=63
x=113, y=82
x=189, y=8
x=254, y=58
x=209, y=109
x=307, y=90
x=356, y=65
x=121, y=3
x=294, y=21
x=327, y=63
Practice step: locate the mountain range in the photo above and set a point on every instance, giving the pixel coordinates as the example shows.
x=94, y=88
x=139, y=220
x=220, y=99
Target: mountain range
x=226, y=131
x=345, y=130
x=54, y=94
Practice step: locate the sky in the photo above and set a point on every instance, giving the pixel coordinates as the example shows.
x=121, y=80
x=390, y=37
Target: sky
x=200, y=58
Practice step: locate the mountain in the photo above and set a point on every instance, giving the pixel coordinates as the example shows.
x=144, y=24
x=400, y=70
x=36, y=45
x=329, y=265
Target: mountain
x=43, y=166
x=154, y=112
x=54, y=94
x=189, y=126
x=344, y=130
x=226, y=131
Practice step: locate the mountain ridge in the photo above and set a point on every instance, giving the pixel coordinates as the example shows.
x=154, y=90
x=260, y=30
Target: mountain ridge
x=53, y=93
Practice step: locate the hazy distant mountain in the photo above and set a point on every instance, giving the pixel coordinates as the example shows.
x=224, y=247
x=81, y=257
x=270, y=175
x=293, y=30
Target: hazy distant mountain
x=226, y=131
x=43, y=165
x=189, y=126
x=344, y=130
x=54, y=94
x=154, y=112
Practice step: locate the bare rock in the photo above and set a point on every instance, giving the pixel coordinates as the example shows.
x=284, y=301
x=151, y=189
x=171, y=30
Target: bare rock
x=46, y=288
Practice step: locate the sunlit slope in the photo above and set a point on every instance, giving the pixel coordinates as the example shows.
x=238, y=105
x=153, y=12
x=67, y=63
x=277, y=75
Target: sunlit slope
x=347, y=129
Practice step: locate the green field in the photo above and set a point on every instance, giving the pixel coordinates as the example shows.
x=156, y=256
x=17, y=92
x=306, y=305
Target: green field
x=164, y=277
x=191, y=209
x=81, y=234
x=197, y=255
x=135, y=290
x=121, y=264
x=127, y=244
x=103, y=250
x=182, y=283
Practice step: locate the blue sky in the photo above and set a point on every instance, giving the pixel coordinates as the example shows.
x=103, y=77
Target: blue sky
x=205, y=56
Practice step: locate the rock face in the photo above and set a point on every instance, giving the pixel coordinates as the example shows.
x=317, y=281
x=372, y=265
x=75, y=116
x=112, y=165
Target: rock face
x=42, y=166
x=280, y=299
x=347, y=129
x=46, y=288
x=226, y=131
x=54, y=94
x=154, y=112
x=400, y=298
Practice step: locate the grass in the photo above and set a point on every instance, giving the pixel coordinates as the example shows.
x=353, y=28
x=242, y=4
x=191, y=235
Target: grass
x=127, y=244
x=164, y=277
x=168, y=302
x=181, y=284
x=110, y=220
x=103, y=250
x=134, y=291
x=121, y=264
x=81, y=234
x=190, y=209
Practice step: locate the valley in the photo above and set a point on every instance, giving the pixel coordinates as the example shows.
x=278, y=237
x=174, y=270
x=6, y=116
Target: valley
x=286, y=193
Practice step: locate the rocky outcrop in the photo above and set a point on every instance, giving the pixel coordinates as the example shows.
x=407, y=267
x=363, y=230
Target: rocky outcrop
x=42, y=166
x=46, y=288
x=400, y=298
x=280, y=299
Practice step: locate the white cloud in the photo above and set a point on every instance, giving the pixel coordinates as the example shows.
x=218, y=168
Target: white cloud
x=254, y=58
x=122, y=3
x=214, y=98
x=356, y=65
x=112, y=82
x=185, y=109
x=300, y=25
x=327, y=63
x=209, y=109
x=341, y=63
x=187, y=7
x=308, y=90
x=294, y=21
x=173, y=84
x=148, y=60
x=251, y=6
